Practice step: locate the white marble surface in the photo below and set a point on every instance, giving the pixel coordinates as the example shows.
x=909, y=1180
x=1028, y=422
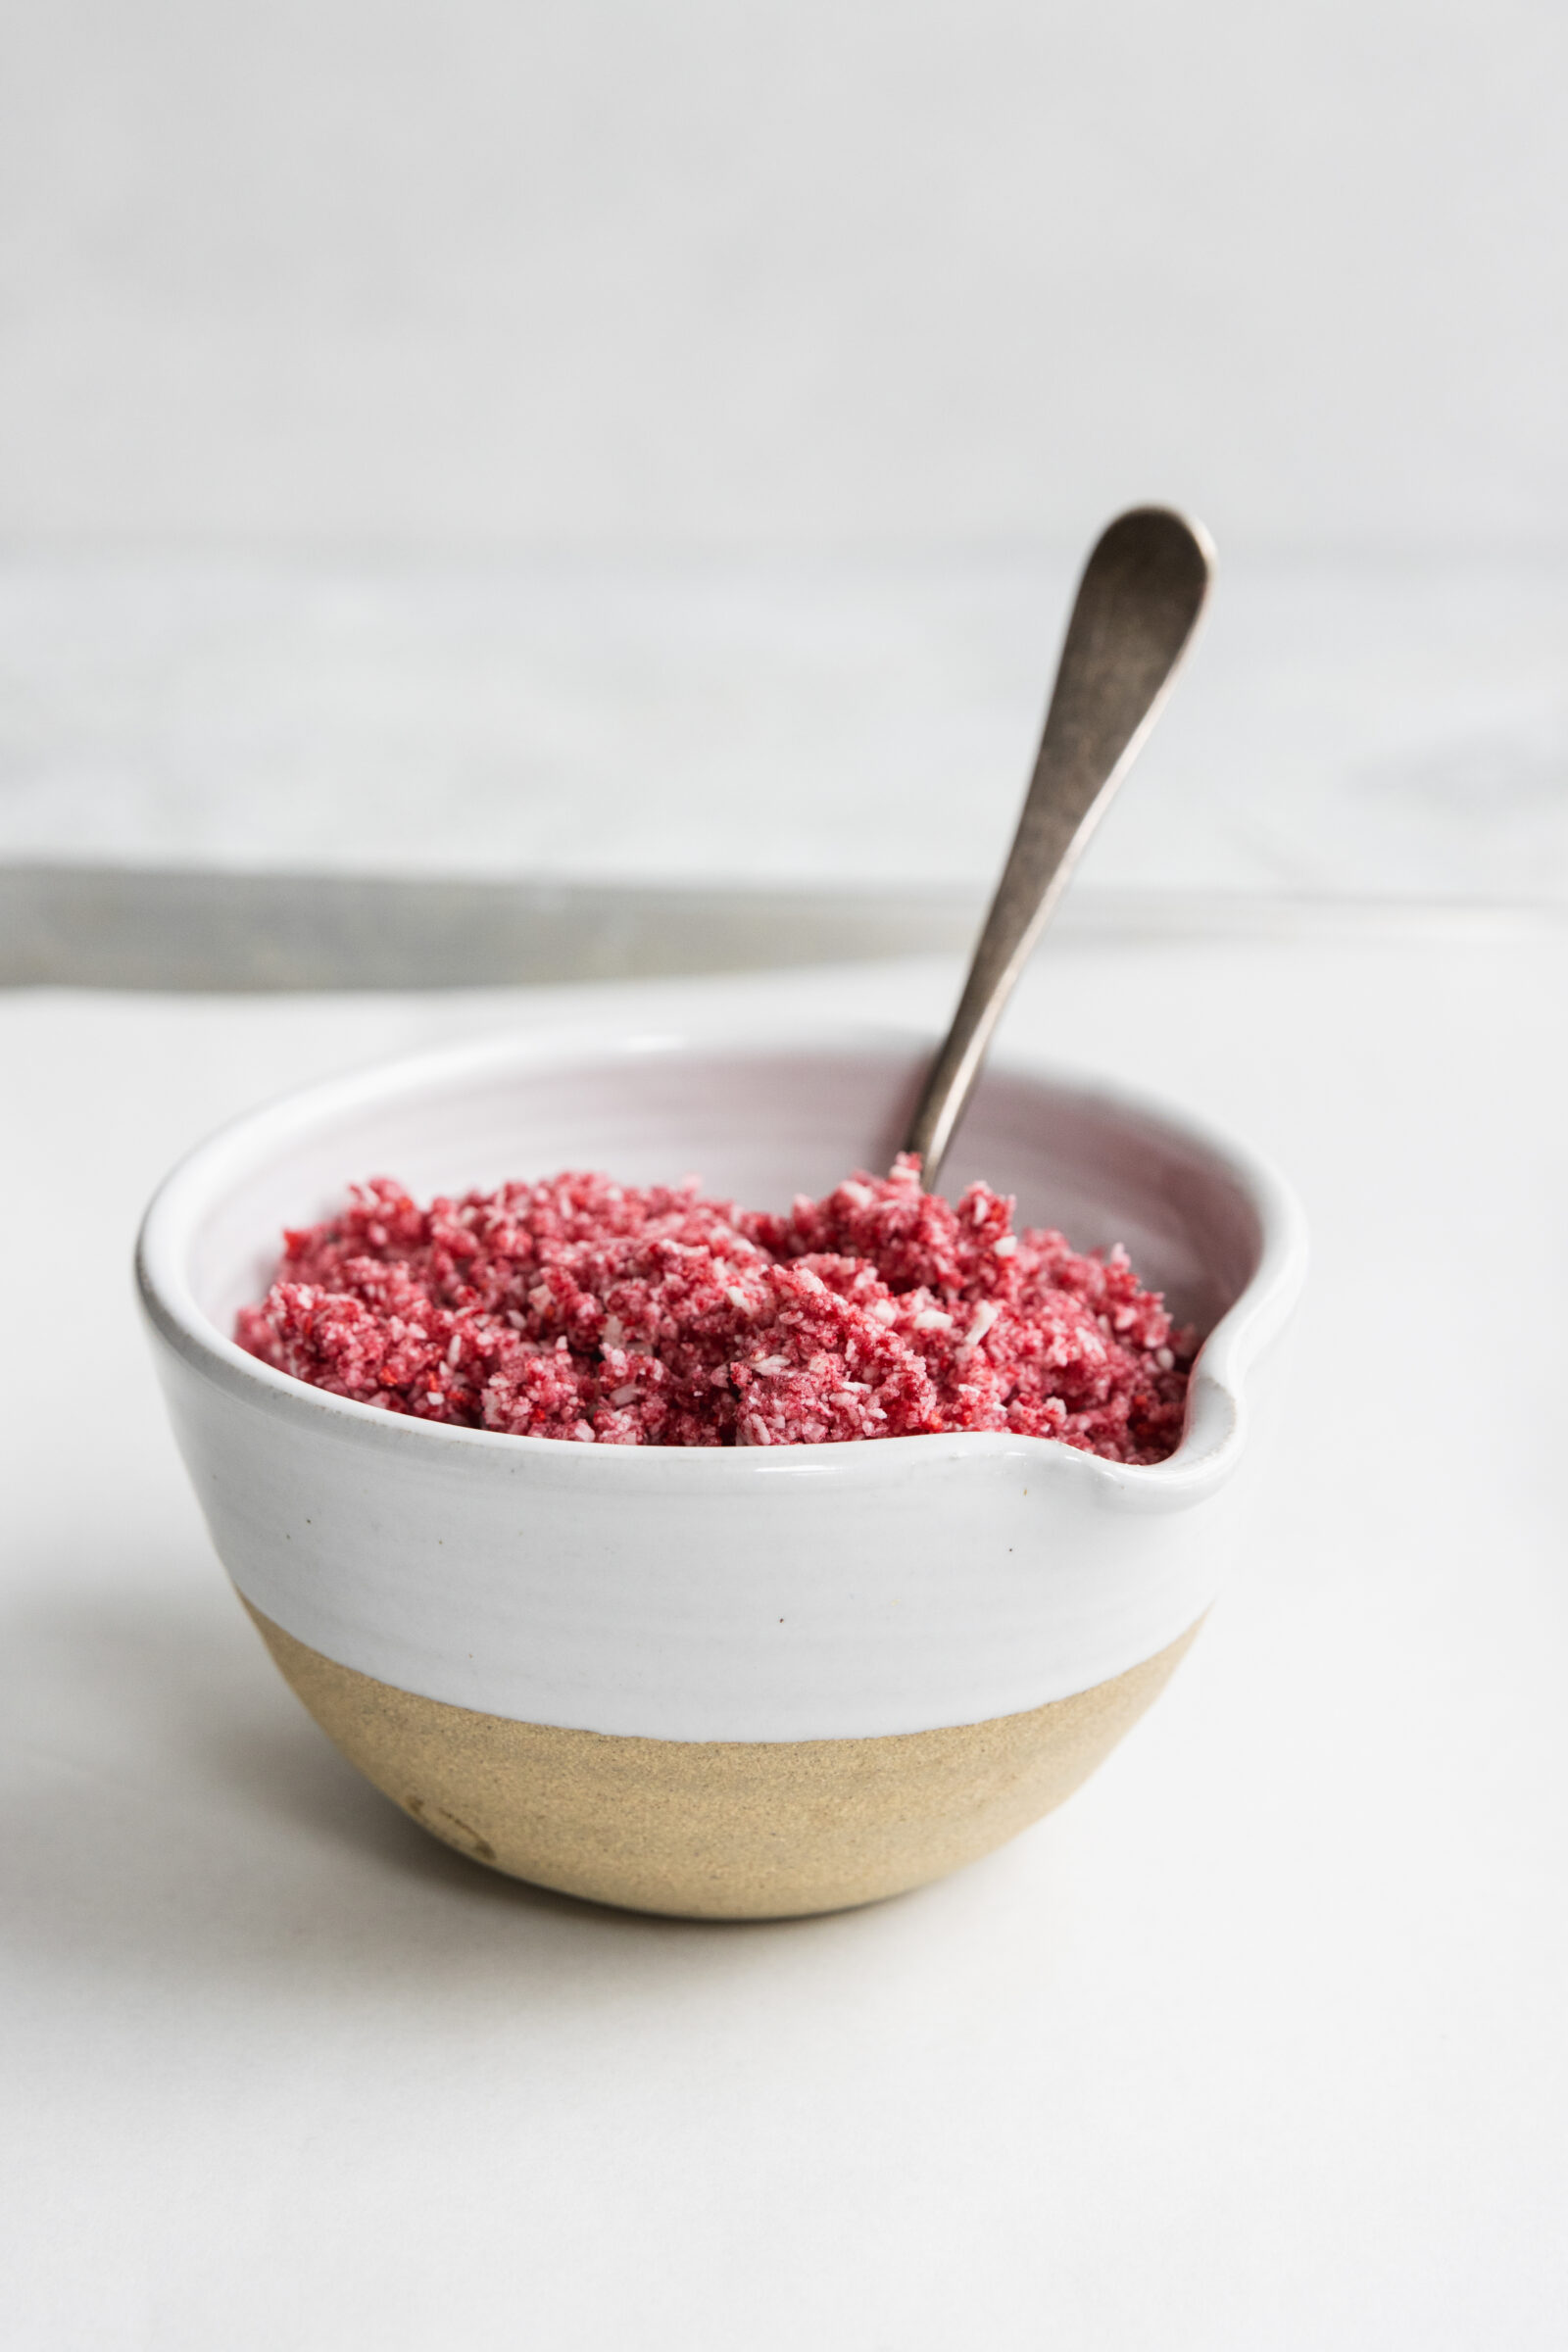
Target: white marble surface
x=1393, y=729
x=1259, y=2042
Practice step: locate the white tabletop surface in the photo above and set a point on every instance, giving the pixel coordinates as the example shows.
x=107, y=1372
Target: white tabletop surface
x=1259, y=2042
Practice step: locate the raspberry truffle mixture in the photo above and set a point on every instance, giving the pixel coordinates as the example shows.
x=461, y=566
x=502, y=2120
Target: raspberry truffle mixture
x=596, y=1312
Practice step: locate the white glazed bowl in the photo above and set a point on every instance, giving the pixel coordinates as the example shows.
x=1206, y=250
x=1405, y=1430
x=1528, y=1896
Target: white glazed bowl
x=723, y=1683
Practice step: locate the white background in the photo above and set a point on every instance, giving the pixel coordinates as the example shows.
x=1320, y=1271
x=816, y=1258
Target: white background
x=656, y=442
x=831, y=271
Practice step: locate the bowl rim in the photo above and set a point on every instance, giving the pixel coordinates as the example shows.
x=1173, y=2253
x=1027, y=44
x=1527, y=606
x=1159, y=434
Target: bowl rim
x=1216, y=1416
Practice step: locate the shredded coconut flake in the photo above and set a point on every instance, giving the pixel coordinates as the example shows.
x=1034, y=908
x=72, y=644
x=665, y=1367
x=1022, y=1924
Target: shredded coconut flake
x=578, y=1309
x=985, y=1316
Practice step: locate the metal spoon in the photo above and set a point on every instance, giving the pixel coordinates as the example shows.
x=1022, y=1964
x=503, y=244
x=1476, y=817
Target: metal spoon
x=1138, y=604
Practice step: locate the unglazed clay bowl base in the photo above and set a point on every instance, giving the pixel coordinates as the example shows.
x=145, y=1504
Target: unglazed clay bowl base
x=717, y=1828
x=726, y=1682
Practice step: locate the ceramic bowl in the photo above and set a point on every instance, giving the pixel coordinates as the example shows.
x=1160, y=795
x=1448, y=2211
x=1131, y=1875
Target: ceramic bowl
x=725, y=1683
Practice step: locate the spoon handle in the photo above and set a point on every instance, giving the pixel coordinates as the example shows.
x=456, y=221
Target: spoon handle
x=1137, y=603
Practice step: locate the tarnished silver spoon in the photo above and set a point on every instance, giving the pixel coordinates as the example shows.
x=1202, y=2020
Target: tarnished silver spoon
x=1138, y=604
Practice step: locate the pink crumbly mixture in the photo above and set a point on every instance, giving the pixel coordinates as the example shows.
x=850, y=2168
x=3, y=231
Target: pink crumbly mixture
x=585, y=1310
